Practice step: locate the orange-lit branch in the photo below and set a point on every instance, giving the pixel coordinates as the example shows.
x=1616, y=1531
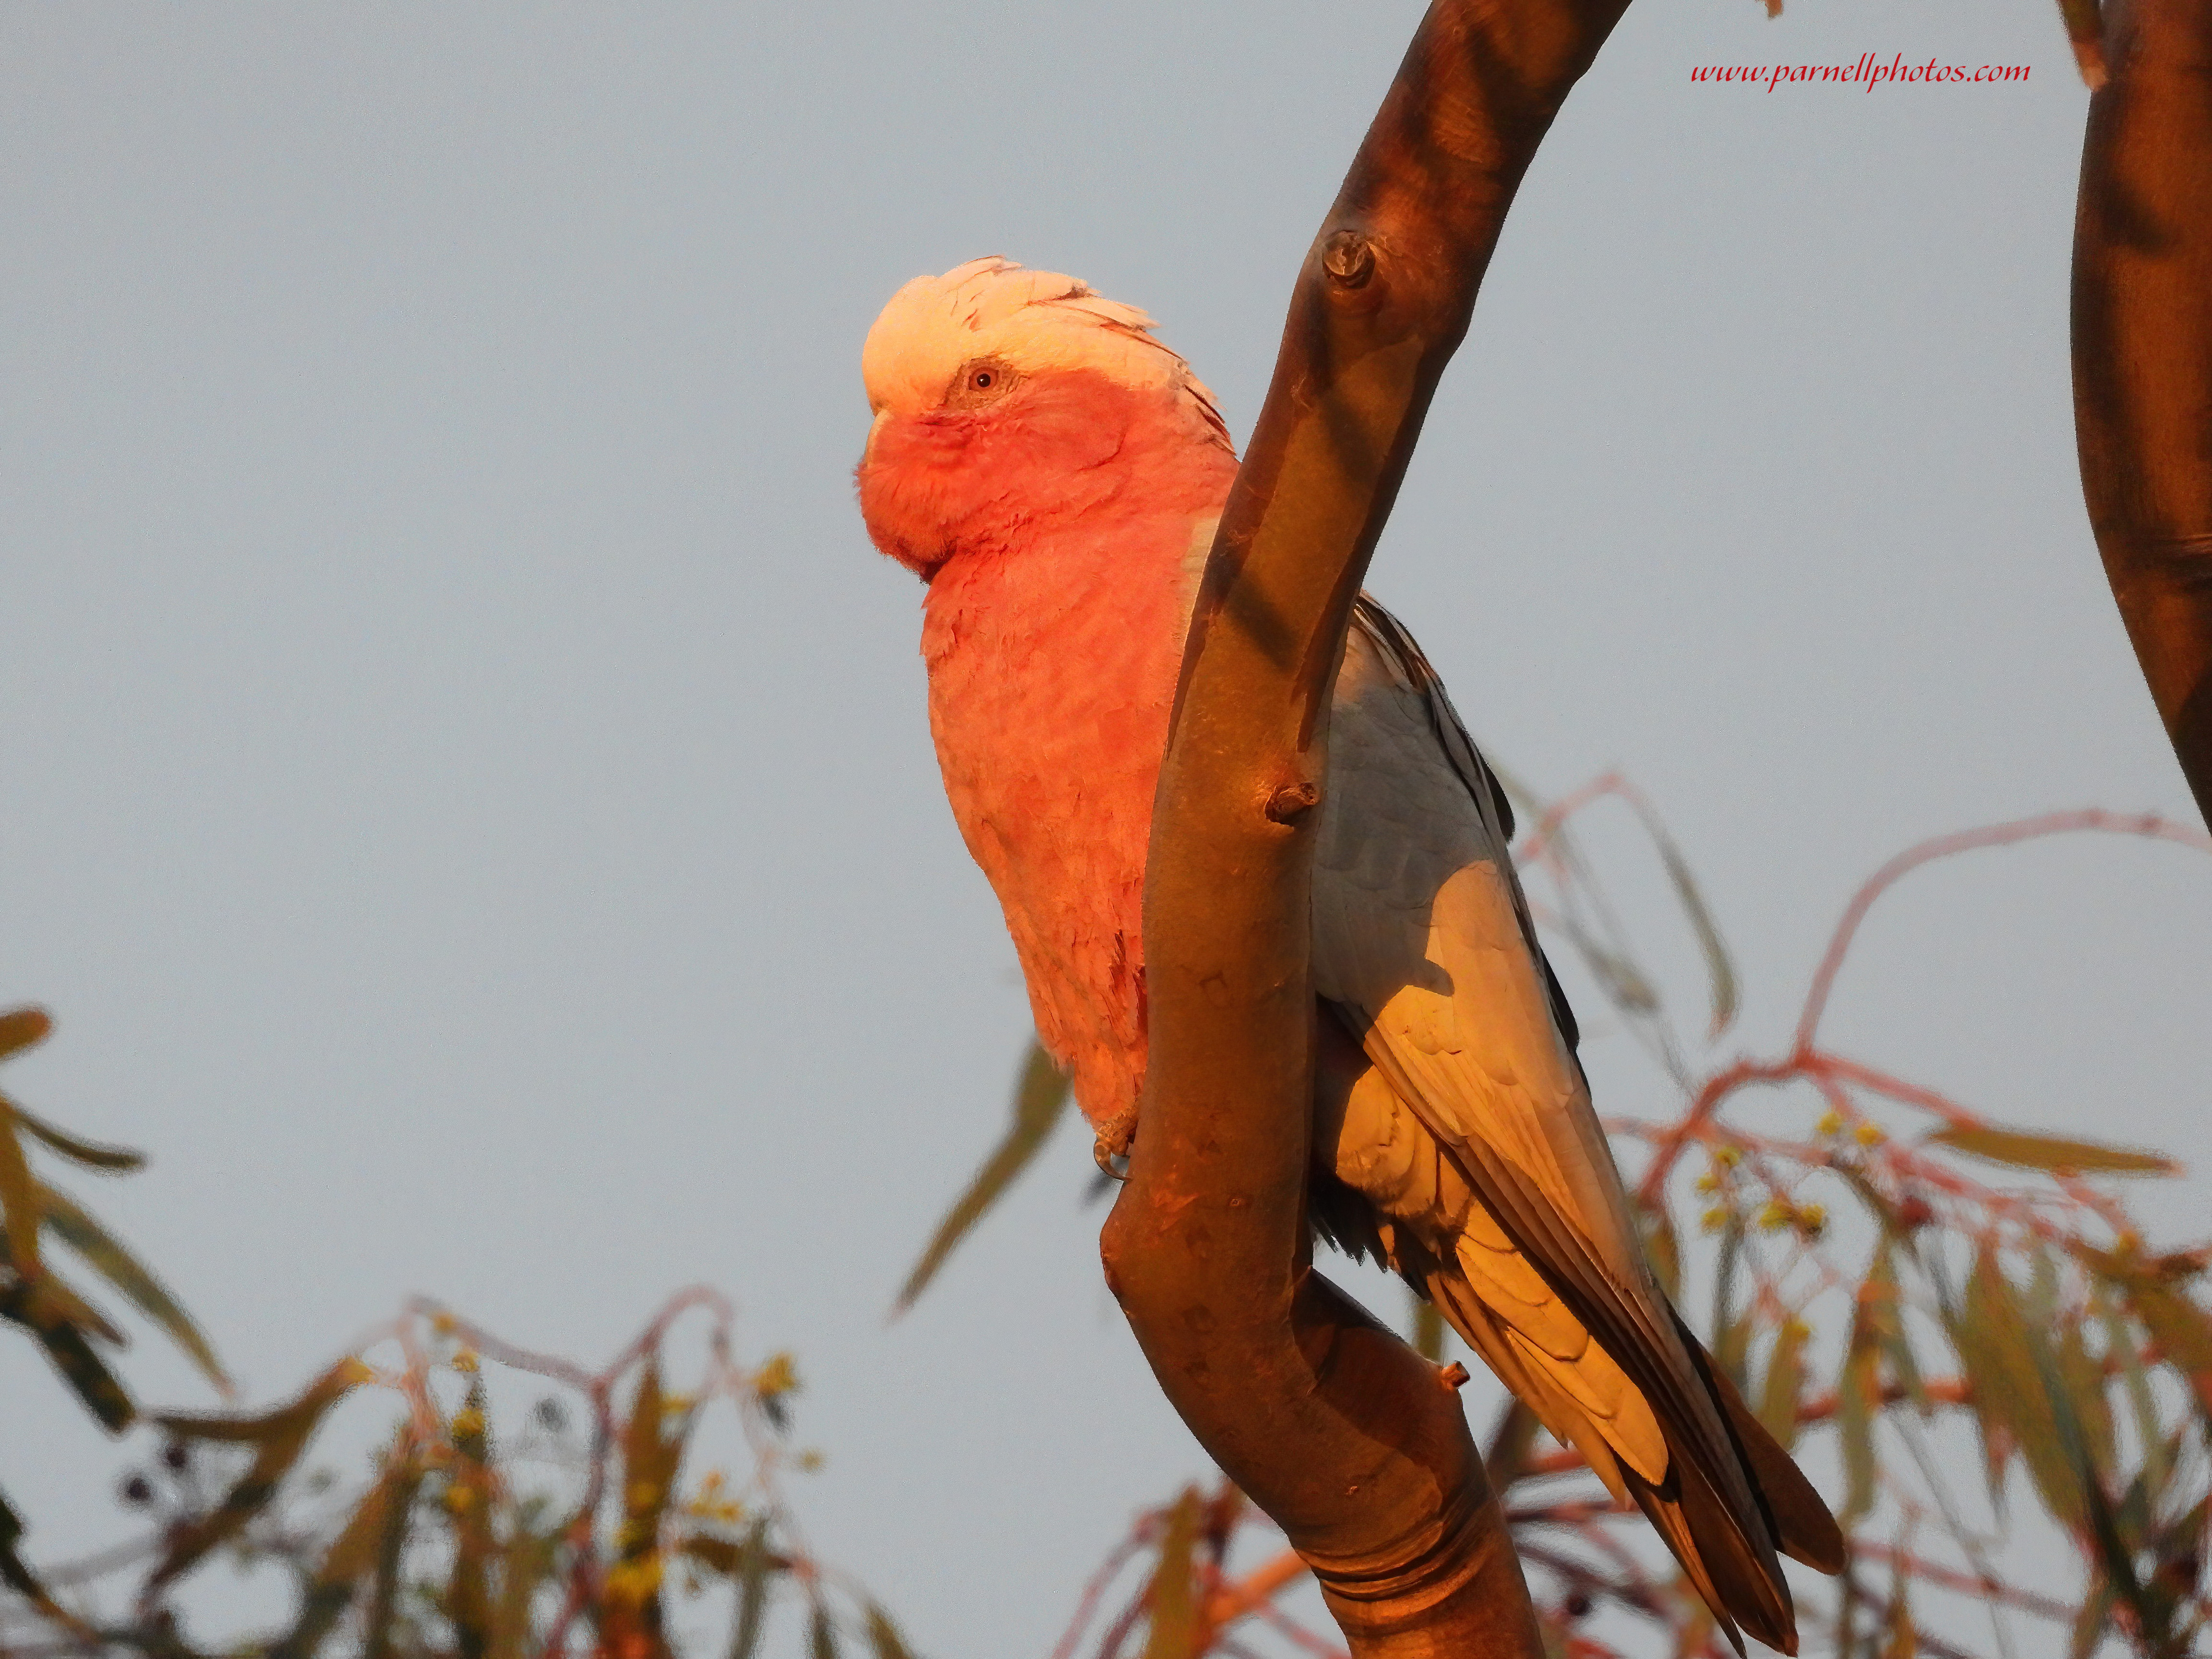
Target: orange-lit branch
x=1343, y=1435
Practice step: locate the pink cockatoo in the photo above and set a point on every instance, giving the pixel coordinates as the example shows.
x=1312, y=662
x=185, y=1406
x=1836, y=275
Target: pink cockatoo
x=1054, y=474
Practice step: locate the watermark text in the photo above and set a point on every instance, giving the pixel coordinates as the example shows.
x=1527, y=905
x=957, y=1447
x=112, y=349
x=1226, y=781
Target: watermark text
x=1868, y=72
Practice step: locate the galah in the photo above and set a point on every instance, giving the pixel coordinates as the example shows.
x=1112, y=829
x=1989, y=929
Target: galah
x=1054, y=474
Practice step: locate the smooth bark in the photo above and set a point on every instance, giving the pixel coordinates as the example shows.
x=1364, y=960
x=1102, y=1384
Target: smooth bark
x=2143, y=353
x=1353, y=1443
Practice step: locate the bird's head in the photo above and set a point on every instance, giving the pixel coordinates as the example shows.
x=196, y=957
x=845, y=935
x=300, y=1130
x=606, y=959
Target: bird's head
x=1006, y=398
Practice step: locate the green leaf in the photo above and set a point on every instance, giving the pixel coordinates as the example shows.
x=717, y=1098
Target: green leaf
x=19, y=1195
x=2028, y=1152
x=1881, y=1304
x=11, y=1565
x=885, y=1641
x=1900, y=1640
x=2182, y=1330
x=278, y=1437
x=1785, y=1382
x=752, y=1593
x=650, y=1460
x=18, y=1577
x=2093, y=1621
x=2009, y=1387
x=52, y=1298
x=1174, y=1632
x=1622, y=982
x=2082, y=1375
x=527, y=1562
x=12, y=1570
x=1854, y=1388
x=384, y=1589
x=108, y=1160
x=1040, y=1100
x=22, y=1028
x=2143, y=1405
x=1428, y=1332
x=1979, y=1358
x=132, y=1278
x=38, y=1307
x=1724, y=1271
x=2115, y=1553
x=351, y=1556
x=1720, y=972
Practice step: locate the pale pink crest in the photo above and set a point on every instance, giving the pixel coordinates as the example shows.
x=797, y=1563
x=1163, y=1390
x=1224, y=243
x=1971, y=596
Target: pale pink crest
x=1034, y=321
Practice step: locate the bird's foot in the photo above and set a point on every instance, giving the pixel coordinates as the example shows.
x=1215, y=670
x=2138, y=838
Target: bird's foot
x=1110, y=1151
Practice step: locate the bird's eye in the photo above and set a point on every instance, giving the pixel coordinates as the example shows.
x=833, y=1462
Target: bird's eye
x=979, y=382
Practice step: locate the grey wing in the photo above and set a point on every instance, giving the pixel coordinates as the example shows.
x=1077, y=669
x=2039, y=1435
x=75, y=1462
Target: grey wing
x=1473, y=1134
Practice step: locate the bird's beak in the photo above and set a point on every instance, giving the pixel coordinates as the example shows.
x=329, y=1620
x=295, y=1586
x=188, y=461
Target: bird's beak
x=874, y=427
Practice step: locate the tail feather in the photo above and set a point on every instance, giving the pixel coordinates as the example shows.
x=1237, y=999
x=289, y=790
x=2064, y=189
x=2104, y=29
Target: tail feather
x=1665, y=1513
x=1739, y=1560
x=1727, y=1555
x=1804, y=1529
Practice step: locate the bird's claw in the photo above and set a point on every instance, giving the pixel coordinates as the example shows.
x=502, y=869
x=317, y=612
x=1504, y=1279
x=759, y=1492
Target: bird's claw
x=1112, y=1164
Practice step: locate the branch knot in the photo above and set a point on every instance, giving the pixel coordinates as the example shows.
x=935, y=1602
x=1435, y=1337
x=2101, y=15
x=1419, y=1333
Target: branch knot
x=1292, y=802
x=1348, y=257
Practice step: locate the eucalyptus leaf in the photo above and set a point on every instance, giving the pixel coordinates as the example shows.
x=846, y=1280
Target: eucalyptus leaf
x=752, y=1593
x=1720, y=970
x=1855, y=1422
x=351, y=1556
x=108, y=1160
x=1040, y=1098
x=278, y=1438
x=885, y=1641
x=1785, y=1382
x=18, y=1194
x=21, y=1028
x=1174, y=1632
x=2050, y=1152
x=102, y=1251
x=38, y=1306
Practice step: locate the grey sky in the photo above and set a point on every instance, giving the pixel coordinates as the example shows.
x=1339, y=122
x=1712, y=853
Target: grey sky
x=468, y=803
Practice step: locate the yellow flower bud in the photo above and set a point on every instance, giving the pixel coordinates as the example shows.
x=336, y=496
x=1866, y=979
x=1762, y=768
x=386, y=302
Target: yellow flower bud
x=777, y=1375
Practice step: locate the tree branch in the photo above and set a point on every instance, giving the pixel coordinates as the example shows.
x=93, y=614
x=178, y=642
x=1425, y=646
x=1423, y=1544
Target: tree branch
x=1349, y=1440
x=2143, y=353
